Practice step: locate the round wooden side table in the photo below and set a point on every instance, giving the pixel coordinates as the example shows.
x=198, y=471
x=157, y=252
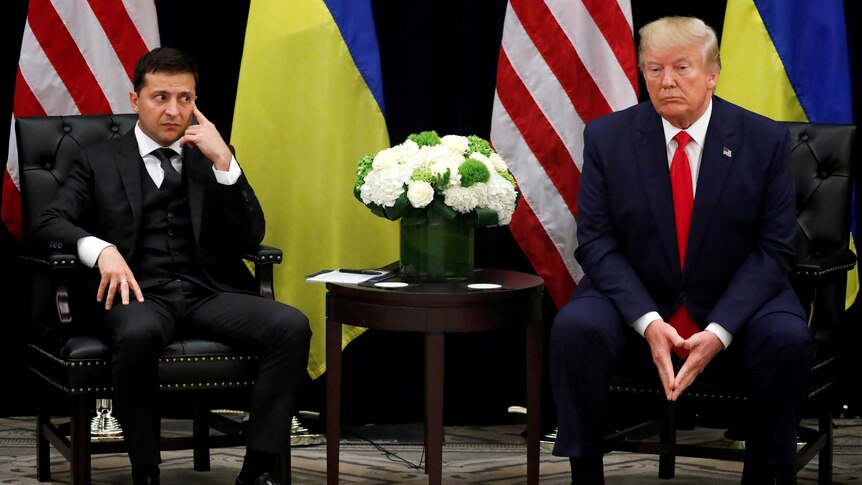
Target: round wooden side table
x=436, y=309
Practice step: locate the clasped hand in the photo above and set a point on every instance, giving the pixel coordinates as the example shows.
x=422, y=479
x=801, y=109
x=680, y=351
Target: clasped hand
x=702, y=347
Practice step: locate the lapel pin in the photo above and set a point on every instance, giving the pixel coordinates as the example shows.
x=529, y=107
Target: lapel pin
x=726, y=152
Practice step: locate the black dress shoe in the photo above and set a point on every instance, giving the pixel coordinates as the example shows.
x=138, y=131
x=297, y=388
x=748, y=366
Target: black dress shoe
x=264, y=479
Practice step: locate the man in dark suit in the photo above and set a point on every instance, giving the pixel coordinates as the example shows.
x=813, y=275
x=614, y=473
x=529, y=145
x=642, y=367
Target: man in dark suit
x=162, y=213
x=686, y=225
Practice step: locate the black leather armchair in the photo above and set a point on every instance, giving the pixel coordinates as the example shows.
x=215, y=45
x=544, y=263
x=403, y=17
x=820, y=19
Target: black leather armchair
x=821, y=158
x=74, y=364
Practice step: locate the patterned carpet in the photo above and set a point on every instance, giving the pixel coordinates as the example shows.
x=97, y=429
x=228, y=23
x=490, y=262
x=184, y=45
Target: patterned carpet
x=389, y=454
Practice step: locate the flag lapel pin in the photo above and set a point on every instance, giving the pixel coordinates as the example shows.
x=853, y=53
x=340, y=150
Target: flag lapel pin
x=726, y=152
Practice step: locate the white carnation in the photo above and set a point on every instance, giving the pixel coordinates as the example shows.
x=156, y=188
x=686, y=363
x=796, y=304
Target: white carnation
x=456, y=143
x=462, y=199
x=420, y=193
x=406, y=152
x=500, y=196
x=479, y=156
x=385, y=159
x=392, y=170
x=438, y=159
x=383, y=187
x=498, y=163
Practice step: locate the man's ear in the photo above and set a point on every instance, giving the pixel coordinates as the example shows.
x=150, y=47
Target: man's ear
x=133, y=100
x=712, y=81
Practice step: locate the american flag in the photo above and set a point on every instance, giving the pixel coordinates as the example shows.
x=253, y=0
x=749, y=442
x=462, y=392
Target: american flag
x=77, y=57
x=562, y=63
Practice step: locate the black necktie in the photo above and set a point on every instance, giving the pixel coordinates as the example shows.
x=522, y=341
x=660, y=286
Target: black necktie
x=172, y=180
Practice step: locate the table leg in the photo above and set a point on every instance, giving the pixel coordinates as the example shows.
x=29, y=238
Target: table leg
x=333, y=399
x=434, y=369
x=534, y=399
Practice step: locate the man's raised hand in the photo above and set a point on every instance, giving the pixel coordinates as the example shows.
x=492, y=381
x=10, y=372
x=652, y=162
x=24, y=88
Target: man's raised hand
x=208, y=140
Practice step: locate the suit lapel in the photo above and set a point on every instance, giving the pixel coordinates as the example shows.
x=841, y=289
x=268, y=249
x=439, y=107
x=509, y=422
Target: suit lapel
x=715, y=164
x=651, y=156
x=130, y=166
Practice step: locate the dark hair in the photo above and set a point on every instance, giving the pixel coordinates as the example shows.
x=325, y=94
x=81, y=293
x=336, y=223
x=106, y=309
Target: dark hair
x=164, y=59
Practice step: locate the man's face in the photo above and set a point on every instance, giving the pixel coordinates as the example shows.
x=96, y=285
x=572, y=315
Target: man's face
x=679, y=83
x=165, y=105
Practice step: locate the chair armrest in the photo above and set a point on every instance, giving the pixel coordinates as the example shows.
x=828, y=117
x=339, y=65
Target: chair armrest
x=55, y=260
x=264, y=257
x=817, y=268
x=61, y=266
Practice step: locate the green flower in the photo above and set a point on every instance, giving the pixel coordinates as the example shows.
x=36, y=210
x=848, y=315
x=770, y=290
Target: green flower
x=422, y=174
x=476, y=144
x=472, y=172
x=425, y=138
x=363, y=168
x=506, y=175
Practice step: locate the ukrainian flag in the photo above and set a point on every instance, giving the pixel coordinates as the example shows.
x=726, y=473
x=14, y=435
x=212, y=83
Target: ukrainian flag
x=789, y=60
x=309, y=105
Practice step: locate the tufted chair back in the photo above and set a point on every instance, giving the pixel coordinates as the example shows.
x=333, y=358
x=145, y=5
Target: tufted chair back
x=45, y=149
x=822, y=157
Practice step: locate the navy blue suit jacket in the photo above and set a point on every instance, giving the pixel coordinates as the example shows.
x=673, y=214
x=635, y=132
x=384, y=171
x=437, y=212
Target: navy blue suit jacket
x=743, y=226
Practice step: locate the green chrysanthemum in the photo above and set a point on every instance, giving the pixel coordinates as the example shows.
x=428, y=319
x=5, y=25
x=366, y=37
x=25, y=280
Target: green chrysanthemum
x=476, y=144
x=425, y=138
x=363, y=168
x=422, y=174
x=472, y=172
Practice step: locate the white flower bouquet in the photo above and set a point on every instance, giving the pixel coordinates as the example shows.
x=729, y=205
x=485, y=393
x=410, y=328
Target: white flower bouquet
x=454, y=176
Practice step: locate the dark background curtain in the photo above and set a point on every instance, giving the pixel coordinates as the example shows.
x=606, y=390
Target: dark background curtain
x=439, y=65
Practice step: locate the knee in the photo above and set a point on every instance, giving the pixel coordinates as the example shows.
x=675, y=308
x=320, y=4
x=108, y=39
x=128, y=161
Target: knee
x=582, y=324
x=584, y=328
x=789, y=338
x=292, y=326
x=143, y=337
x=797, y=341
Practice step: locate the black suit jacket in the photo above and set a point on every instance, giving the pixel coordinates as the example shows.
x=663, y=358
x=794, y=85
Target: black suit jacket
x=102, y=196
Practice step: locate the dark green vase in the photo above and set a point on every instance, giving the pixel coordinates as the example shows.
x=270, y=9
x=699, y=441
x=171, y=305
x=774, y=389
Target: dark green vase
x=438, y=250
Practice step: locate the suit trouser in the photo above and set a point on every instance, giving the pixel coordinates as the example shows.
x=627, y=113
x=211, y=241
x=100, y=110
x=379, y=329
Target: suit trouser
x=278, y=333
x=589, y=341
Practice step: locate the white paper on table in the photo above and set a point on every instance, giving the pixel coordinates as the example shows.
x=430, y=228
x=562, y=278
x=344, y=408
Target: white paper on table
x=337, y=276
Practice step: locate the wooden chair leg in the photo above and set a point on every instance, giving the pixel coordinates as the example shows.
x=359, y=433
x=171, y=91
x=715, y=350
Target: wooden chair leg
x=43, y=449
x=824, y=467
x=80, y=441
x=667, y=435
x=201, y=430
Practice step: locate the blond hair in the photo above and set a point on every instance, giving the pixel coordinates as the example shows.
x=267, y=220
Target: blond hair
x=674, y=32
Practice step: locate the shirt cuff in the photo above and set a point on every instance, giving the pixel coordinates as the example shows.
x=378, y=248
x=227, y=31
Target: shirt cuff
x=89, y=249
x=722, y=334
x=231, y=176
x=640, y=325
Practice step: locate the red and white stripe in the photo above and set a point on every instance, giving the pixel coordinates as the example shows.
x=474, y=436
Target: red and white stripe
x=562, y=63
x=77, y=57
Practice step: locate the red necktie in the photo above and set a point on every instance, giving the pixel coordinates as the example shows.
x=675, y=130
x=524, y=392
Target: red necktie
x=683, y=203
